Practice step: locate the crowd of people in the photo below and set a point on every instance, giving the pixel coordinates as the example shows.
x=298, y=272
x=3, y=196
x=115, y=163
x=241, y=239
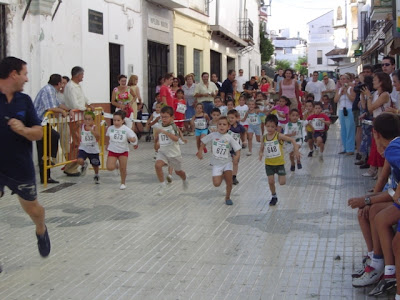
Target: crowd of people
x=281, y=114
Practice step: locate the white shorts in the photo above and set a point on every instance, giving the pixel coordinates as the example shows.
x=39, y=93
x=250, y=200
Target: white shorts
x=289, y=146
x=174, y=162
x=220, y=169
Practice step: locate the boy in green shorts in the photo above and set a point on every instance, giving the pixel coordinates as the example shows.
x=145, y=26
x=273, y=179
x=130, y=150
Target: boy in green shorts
x=274, y=155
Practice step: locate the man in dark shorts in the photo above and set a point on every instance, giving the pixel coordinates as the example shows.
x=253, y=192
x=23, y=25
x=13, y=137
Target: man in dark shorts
x=19, y=126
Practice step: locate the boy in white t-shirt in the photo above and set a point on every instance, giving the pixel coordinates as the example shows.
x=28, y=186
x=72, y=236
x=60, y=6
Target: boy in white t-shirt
x=169, y=153
x=242, y=109
x=221, y=145
x=295, y=129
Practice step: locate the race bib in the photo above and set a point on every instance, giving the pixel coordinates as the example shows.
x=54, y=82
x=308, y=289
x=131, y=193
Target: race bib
x=318, y=124
x=118, y=136
x=181, y=108
x=220, y=149
x=279, y=117
x=164, y=139
x=200, y=123
x=272, y=149
x=254, y=119
x=87, y=138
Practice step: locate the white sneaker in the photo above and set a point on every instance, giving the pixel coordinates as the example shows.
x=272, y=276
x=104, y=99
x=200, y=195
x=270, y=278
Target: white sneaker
x=161, y=189
x=84, y=168
x=122, y=187
x=169, y=178
x=369, y=277
x=249, y=153
x=316, y=151
x=180, y=142
x=185, y=184
x=321, y=157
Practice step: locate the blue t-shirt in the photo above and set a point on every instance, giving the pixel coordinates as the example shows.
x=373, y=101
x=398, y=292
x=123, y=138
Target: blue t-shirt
x=392, y=155
x=227, y=87
x=16, y=152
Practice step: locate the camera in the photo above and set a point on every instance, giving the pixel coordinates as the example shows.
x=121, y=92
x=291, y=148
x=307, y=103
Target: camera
x=358, y=88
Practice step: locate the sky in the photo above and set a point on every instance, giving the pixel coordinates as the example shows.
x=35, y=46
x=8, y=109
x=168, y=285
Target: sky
x=295, y=14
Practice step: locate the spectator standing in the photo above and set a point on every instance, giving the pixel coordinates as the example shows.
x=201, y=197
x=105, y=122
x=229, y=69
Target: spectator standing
x=75, y=99
x=189, y=89
x=277, y=79
x=315, y=87
x=289, y=88
x=214, y=78
x=135, y=92
x=205, y=91
x=251, y=87
x=227, y=85
x=165, y=90
x=241, y=80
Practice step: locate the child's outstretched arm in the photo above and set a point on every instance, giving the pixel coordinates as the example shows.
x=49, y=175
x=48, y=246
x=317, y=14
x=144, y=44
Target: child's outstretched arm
x=296, y=147
x=181, y=136
x=245, y=117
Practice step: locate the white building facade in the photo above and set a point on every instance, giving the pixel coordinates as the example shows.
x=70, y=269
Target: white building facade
x=320, y=42
x=290, y=49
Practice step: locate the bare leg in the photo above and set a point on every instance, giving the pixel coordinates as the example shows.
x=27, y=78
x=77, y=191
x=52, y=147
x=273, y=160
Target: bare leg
x=123, y=162
x=250, y=141
x=35, y=212
x=111, y=163
x=366, y=230
x=158, y=166
x=271, y=183
x=181, y=174
x=228, y=181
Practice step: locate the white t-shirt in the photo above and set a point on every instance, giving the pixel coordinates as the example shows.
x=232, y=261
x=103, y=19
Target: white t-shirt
x=240, y=82
x=167, y=146
x=315, y=87
x=298, y=127
x=221, y=147
x=119, y=138
x=88, y=142
x=344, y=101
x=380, y=109
x=242, y=110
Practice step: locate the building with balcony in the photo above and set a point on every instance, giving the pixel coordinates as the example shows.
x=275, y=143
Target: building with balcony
x=320, y=43
x=235, y=35
x=290, y=49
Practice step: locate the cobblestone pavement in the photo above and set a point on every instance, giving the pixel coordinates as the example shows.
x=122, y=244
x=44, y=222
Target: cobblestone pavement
x=133, y=244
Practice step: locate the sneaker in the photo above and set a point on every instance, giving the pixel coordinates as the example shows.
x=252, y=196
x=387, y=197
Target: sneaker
x=191, y=134
x=385, y=284
x=299, y=166
x=169, y=178
x=249, y=153
x=310, y=153
x=358, y=273
x=369, y=277
x=180, y=142
x=321, y=157
x=358, y=156
x=369, y=174
x=273, y=201
x=96, y=179
x=235, y=181
x=228, y=202
x=43, y=243
x=122, y=187
x=359, y=162
x=84, y=168
x=185, y=184
x=292, y=168
x=161, y=189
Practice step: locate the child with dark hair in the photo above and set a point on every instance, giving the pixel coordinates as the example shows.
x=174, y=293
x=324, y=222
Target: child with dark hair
x=295, y=129
x=180, y=108
x=282, y=112
x=272, y=148
x=320, y=124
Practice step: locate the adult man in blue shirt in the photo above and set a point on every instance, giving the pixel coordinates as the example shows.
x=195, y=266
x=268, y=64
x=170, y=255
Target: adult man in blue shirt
x=19, y=126
x=46, y=100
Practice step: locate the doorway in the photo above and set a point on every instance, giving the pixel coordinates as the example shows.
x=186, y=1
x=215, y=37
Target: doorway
x=157, y=66
x=230, y=63
x=115, y=68
x=215, y=62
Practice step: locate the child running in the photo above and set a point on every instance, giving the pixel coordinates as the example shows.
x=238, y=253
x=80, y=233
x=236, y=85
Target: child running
x=215, y=115
x=253, y=114
x=236, y=131
x=200, y=122
x=180, y=108
x=221, y=160
x=88, y=147
x=169, y=153
x=295, y=129
x=220, y=105
x=282, y=112
x=230, y=105
x=308, y=111
x=153, y=121
x=242, y=109
x=274, y=156
x=118, y=147
x=320, y=123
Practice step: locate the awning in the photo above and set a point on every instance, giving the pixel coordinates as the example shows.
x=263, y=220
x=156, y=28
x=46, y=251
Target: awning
x=235, y=41
x=370, y=50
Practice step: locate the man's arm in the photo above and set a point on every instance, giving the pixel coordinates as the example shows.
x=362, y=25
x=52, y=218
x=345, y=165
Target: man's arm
x=33, y=133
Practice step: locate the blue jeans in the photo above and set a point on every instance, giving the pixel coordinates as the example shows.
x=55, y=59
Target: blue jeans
x=208, y=106
x=347, y=130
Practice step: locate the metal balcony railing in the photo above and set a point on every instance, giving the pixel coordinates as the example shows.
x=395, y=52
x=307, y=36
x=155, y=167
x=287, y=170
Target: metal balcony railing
x=246, y=30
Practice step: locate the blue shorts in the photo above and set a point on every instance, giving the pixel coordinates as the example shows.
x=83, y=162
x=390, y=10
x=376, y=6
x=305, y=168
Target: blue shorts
x=93, y=157
x=26, y=190
x=321, y=134
x=256, y=129
x=199, y=132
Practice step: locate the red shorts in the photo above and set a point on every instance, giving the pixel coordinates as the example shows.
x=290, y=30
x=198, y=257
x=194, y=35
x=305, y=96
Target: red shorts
x=246, y=126
x=113, y=154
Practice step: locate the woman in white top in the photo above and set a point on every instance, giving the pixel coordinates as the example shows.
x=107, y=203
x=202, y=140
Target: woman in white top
x=344, y=97
x=377, y=103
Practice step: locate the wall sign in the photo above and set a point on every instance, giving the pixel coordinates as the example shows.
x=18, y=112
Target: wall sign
x=158, y=23
x=95, y=21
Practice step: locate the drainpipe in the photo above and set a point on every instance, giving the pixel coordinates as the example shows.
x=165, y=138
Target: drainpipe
x=217, y=12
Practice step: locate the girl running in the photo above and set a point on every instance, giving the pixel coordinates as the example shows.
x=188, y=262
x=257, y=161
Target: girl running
x=200, y=122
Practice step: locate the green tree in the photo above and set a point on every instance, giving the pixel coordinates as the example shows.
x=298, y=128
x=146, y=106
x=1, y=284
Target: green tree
x=266, y=47
x=301, y=65
x=282, y=64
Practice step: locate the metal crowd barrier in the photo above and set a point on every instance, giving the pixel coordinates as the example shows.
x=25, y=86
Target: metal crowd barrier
x=69, y=129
